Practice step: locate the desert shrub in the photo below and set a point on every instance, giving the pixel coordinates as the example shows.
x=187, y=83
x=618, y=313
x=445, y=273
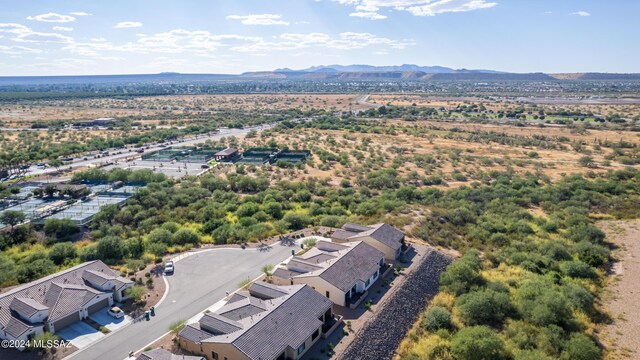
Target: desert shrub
x=477, y=343
x=437, y=318
x=485, y=307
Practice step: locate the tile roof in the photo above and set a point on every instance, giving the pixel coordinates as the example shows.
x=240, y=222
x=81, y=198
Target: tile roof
x=193, y=333
x=287, y=321
x=357, y=261
x=343, y=234
x=101, y=277
x=26, y=307
x=384, y=233
x=97, y=277
x=62, y=293
x=64, y=299
x=288, y=325
x=218, y=324
x=265, y=290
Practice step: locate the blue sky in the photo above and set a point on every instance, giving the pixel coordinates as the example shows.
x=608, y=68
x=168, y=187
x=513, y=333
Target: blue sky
x=73, y=37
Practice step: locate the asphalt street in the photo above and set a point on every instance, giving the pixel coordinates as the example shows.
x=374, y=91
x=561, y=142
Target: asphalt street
x=199, y=281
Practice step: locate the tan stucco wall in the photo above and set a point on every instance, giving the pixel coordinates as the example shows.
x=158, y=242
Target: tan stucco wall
x=322, y=286
x=224, y=350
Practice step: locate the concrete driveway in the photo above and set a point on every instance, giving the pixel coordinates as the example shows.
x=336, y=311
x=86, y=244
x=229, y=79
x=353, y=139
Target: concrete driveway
x=199, y=281
x=80, y=334
x=108, y=321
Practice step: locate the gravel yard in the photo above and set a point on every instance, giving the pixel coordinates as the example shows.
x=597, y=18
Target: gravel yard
x=384, y=331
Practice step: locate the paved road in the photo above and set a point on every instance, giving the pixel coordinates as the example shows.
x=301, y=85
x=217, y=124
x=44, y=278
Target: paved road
x=199, y=281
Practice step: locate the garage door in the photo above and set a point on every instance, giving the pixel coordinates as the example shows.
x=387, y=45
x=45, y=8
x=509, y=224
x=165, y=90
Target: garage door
x=66, y=321
x=98, y=306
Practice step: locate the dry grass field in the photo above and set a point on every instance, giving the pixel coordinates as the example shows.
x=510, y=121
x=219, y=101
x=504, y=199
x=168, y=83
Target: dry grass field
x=23, y=115
x=429, y=150
x=630, y=110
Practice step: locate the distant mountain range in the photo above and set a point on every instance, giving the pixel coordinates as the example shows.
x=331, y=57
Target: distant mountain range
x=416, y=72
x=407, y=72
x=377, y=69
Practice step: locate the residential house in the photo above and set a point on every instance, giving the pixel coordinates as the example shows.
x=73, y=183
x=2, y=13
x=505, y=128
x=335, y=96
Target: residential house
x=266, y=322
x=340, y=272
x=383, y=237
x=59, y=300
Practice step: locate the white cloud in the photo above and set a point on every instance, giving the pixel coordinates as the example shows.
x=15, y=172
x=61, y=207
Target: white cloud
x=127, y=25
x=581, y=13
x=62, y=28
x=259, y=19
x=18, y=50
x=371, y=15
x=345, y=41
x=24, y=34
x=13, y=28
x=370, y=8
x=80, y=13
x=52, y=17
x=40, y=37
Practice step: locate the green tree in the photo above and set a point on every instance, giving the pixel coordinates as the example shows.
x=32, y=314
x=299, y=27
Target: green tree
x=274, y=209
x=477, y=343
x=61, y=252
x=60, y=228
x=580, y=347
x=12, y=218
x=8, y=273
x=185, y=236
x=32, y=270
x=296, y=221
x=485, y=307
x=437, y=318
x=159, y=235
x=462, y=274
x=136, y=292
x=110, y=249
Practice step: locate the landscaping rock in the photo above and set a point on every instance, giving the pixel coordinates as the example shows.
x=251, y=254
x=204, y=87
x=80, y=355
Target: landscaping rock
x=382, y=335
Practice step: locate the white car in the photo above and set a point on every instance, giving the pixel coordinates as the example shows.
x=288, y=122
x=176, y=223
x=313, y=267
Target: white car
x=168, y=267
x=116, y=312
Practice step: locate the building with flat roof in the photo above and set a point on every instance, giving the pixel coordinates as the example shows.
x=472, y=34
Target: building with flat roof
x=383, y=237
x=266, y=322
x=59, y=300
x=229, y=154
x=341, y=272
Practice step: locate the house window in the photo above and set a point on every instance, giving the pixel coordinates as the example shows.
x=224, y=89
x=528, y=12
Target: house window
x=214, y=355
x=315, y=334
x=301, y=348
x=327, y=293
x=367, y=282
